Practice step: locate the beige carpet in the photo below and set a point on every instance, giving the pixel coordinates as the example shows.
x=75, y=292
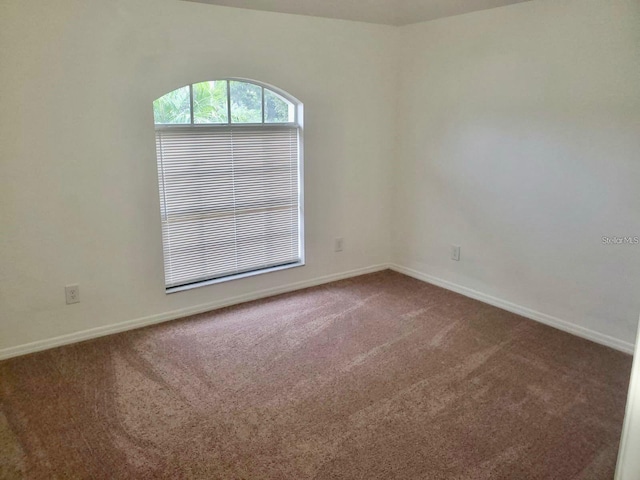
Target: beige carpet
x=376, y=377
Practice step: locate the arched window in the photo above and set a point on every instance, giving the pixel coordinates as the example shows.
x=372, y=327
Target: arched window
x=229, y=169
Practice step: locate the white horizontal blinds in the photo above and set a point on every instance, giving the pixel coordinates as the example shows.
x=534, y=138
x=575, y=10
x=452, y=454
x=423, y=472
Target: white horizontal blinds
x=230, y=200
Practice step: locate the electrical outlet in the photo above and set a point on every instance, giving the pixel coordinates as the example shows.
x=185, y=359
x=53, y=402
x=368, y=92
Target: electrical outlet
x=72, y=294
x=338, y=244
x=455, y=252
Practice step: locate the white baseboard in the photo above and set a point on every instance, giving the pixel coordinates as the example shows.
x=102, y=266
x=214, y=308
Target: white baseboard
x=175, y=314
x=185, y=312
x=555, y=322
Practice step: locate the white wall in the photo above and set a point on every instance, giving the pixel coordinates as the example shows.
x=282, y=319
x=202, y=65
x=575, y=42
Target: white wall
x=79, y=201
x=521, y=143
x=628, y=460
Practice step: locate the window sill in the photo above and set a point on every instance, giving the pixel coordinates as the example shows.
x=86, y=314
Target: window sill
x=233, y=277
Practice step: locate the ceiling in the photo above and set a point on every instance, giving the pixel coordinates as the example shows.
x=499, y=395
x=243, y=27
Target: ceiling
x=389, y=12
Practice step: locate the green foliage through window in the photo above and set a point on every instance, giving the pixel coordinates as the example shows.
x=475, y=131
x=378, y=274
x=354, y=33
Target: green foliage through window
x=174, y=107
x=246, y=102
x=276, y=108
x=210, y=102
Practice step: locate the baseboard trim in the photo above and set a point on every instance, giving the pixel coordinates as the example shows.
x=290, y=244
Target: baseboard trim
x=92, y=333
x=555, y=322
x=97, y=332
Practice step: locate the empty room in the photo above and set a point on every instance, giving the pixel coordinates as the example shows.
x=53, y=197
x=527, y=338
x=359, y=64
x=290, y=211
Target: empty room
x=312, y=240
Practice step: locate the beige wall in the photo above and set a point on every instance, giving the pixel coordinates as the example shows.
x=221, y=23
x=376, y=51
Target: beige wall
x=79, y=201
x=521, y=143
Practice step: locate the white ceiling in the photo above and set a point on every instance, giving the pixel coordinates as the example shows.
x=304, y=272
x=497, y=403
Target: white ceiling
x=390, y=12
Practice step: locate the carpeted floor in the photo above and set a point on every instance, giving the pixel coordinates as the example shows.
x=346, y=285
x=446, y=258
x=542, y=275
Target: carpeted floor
x=376, y=377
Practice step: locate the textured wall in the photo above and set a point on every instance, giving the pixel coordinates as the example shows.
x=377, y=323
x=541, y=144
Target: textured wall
x=520, y=141
x=79, y=201
x=520, y=132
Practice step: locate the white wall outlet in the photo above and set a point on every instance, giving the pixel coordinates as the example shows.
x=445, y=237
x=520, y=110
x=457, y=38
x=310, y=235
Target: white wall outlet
x=72, y=294
x=455, y=252
x=338, y=244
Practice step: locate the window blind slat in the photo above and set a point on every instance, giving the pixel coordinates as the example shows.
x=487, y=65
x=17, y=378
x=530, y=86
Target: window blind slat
x=229, y=200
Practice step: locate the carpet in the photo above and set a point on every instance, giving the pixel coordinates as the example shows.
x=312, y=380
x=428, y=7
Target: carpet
x=376, y=377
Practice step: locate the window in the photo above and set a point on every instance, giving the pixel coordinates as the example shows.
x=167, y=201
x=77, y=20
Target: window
x=229, y=172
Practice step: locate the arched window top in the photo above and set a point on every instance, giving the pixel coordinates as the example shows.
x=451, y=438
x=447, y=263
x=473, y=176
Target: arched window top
x=224, y=102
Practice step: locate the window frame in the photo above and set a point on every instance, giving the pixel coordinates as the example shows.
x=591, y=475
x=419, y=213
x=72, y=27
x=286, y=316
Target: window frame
x=297, y=123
